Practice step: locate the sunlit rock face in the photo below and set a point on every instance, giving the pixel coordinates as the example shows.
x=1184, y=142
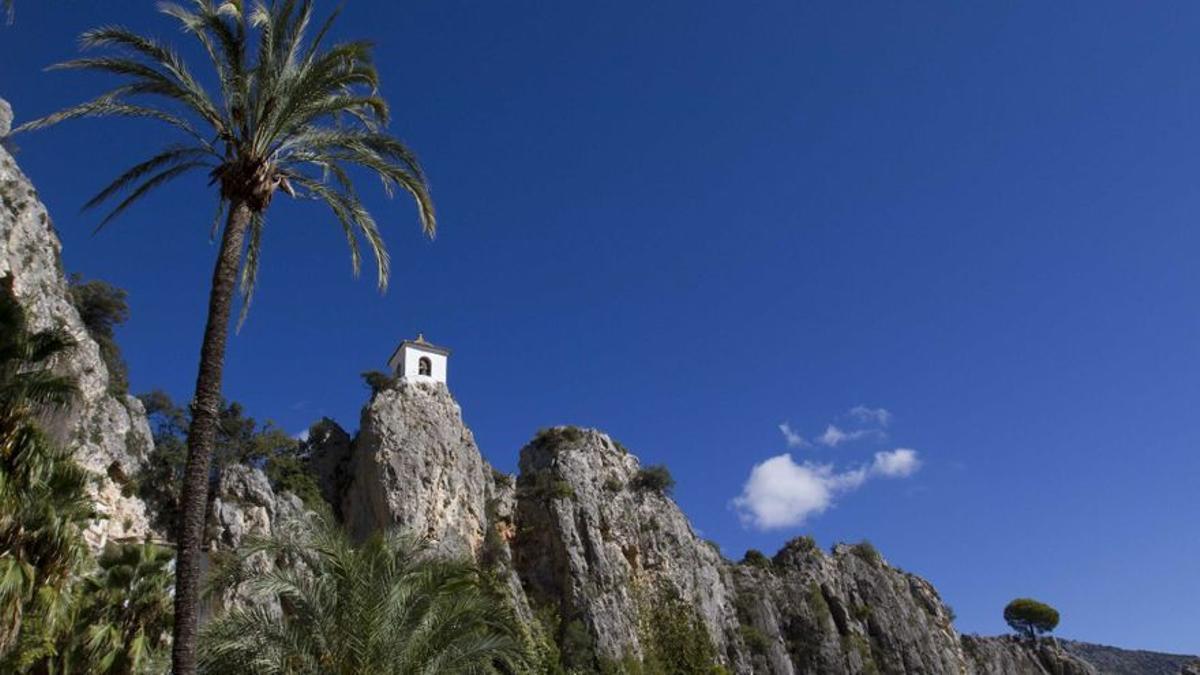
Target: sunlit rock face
x=415, y=465
x=605, y=551
x=106, y=431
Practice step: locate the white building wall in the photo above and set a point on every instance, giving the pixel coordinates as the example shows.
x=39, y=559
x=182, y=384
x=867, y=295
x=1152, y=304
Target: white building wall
x=407, y=365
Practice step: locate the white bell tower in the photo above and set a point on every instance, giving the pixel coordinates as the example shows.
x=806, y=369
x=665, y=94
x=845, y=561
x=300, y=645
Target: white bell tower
x=420, y=361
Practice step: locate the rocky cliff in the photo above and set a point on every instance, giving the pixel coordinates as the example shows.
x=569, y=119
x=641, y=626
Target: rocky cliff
x=105, y=428
x=601, y=565
x=600, y=561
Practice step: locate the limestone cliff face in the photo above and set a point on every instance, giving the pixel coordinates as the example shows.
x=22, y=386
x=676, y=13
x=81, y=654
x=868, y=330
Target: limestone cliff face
x=107, y=432
x=605, y=551
x=244, y=507
x=595, y=552
x=846, y=612
x=415, y=465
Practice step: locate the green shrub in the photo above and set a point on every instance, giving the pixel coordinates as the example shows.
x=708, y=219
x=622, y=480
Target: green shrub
x=501, y=479
x=613, y=484
x=103, y=306
x=544, y=485
x=655, y=478
x=867, y=551
x=755, y=558
x=756, y=641
x=378, y=381
x=1030, y=617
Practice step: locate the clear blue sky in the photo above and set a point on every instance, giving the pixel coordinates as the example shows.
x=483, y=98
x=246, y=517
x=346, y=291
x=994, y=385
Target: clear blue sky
x=690, y=222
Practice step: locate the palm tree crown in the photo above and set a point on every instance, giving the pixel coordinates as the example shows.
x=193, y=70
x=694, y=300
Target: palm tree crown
x=290, y=116
x=388, y=607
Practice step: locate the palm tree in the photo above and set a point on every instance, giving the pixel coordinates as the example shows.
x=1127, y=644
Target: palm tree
x=43, y=492
x=289, y=115
x=124, y=613
x=386, y=607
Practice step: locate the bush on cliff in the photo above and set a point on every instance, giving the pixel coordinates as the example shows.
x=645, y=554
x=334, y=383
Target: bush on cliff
x=656, y=478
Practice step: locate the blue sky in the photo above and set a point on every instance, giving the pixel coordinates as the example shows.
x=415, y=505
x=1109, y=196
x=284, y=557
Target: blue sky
x=690, y=222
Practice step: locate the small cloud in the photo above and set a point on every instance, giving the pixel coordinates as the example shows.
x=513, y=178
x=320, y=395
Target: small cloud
x=302, y=436
x=794, y=440
x=782, y=493
x=865, y=415
x=835, y=436
x=897, y=463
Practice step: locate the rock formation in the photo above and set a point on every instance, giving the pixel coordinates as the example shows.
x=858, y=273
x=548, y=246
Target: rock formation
x=600, y=564
x=106, y=430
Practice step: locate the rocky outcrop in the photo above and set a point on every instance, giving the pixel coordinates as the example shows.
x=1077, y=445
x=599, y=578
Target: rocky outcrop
x=607, y=551
x=106, y=430
x=1004, y=655
x=806, y=611
x=415, y=465
x=1114, y=661
x=598, y=559
x=244, y=507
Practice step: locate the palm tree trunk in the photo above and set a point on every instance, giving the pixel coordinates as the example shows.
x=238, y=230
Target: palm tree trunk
x=201, y=436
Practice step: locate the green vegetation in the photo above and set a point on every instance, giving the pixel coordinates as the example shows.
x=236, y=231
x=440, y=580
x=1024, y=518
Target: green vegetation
x=43, y=500
x=804, y=544
x=613, y=484
x=544, y=485
x=289, y=115
x=756, y=558
x=239, y=439
x=553, y=439
x=656, y=478
x=103, y=306
x=123, y=613
x=675, y=639
x=377, y=381
x=756, y=641
x=861, y=612
x=386, y=606
x=501, y=479
x=867, y=552
x=1030, y=618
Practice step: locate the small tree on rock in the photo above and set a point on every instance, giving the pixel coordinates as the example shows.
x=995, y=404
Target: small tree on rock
x=1030, y=618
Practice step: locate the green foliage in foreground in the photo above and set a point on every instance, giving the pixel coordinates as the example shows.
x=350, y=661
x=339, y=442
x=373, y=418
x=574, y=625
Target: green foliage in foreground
x=123, y=613
x=386, y=606
x=43, y=498
x=1030, y=617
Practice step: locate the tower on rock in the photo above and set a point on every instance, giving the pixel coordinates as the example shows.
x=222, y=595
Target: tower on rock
x=420, y=361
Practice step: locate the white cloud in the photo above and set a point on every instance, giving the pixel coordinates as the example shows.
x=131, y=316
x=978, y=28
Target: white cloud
x=865, y=415
x=835, y=436
x=302, y=436
x=781, y=493
x=794, y=440
x=897, y=463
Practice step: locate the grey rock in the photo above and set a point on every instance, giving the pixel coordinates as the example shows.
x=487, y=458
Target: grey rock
x=605, y=551
x=1008, y=655
x=6, y=117
x=245, y=507
x=329, y=448
x=107, y=432
x=415, y=465
x=1116, y=661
